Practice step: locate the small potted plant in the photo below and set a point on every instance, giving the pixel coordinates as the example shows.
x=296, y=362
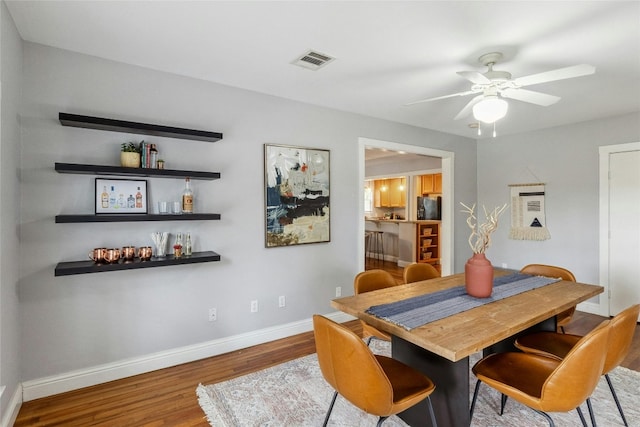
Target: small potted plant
x=160, y=164
x=129, y=155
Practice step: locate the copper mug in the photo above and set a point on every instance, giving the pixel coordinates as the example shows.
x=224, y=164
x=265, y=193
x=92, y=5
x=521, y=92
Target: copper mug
x=97, y=254
x=112, y=255
x=144, y=252
x=128, y=253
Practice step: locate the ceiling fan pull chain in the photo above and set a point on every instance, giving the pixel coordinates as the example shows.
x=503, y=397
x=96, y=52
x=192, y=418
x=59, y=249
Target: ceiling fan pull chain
x=494, y=129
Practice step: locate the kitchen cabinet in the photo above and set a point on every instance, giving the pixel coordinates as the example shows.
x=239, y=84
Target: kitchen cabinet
x=431, y=184
x=83, y=266
x=428, y=242
x=390, y=193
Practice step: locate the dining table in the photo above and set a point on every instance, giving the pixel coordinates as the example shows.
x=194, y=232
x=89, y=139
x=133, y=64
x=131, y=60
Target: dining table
x=435, y=337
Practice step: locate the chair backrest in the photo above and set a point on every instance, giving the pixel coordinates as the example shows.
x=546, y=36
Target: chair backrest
x=419, y=271
x=623, y=326
x=351, y=368
x=548, y=271
x=577, y=375
x=372, y=280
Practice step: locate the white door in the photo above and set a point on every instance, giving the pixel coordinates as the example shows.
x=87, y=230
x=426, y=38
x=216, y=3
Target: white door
x=624, y=230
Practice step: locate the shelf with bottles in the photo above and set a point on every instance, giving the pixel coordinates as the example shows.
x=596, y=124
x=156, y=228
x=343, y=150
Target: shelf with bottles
x=86, y=267
x=100, y=123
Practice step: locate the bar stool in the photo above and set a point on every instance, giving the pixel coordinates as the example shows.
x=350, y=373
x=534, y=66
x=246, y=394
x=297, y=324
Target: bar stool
x=376, y=244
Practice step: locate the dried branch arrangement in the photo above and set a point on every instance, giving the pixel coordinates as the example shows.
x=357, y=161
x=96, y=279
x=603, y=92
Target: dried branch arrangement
x=480, y=237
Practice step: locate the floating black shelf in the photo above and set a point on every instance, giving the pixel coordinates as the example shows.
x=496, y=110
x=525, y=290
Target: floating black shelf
x=77, y=168
x=85, y=267
x=89, y=122
x=67, y=219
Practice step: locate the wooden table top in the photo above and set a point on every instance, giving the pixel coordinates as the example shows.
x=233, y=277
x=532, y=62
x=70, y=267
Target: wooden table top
x=460, y=335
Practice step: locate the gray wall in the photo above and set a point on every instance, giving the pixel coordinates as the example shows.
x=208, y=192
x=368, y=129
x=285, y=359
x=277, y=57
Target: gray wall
x=10, y=78
x=566, y=159
x=76, y=322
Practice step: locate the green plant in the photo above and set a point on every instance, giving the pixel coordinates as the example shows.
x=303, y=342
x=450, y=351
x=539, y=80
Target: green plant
x=130, y=147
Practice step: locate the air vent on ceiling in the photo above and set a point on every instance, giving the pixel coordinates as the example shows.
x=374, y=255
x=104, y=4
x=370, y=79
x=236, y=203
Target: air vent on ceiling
x=313, y=60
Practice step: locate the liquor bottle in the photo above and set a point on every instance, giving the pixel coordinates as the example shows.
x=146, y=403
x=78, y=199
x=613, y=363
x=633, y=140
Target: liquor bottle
x=112, y=198
x=138, y=199
x=187, y=245
x=187, y=197
x=153, y=161
x=121, y=201
x=104, y=197
x=131, y=202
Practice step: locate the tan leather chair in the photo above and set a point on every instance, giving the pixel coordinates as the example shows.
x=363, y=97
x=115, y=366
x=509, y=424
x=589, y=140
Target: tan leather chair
x=378, y=385
x=557, y=346
x=563, y=318
x=419, y=271
x=368, y=281
x=545, y=384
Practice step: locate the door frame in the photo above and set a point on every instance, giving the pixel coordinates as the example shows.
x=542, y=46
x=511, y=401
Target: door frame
x=447, y=157
x=602, y=307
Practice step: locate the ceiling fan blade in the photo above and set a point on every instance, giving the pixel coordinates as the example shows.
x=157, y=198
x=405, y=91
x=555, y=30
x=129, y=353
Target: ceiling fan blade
x=467, y=108
x=469, y=92
x=474, y=77
x=559, y=74
x=530, y=96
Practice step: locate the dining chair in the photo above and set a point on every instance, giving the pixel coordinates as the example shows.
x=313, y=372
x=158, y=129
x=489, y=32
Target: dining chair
x=367, y=281
x=376, y=384
x=419, y=271
x=557, y=346
x=545, y=384
x=562, y=319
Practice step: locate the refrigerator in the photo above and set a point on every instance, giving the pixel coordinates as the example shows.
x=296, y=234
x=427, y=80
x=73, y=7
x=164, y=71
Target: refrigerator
x=429, y=208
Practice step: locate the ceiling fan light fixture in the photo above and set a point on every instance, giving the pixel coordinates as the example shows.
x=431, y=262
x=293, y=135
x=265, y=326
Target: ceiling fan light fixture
x=490, y=109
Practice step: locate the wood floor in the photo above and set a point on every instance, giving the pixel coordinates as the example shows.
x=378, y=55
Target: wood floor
x=167, y=397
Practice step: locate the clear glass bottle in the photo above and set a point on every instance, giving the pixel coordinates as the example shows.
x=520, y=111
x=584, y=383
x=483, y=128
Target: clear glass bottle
x=104, y=197
x=187, y=245
x=187, y=197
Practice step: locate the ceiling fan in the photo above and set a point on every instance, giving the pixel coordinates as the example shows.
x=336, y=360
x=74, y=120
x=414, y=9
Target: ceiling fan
x=493, y=86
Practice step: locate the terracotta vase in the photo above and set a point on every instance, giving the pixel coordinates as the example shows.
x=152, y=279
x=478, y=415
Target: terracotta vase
x=478, y=276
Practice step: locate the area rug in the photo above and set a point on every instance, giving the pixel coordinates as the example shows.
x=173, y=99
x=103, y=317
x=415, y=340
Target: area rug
x=294, y=394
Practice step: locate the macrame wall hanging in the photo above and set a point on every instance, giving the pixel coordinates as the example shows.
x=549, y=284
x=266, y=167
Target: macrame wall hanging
x=528, y=221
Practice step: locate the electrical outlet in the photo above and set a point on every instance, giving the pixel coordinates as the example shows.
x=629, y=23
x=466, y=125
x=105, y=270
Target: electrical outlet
x=281, y=301
x=213, y=314
x=338, y=291
x=254, y=306
x=504, y=265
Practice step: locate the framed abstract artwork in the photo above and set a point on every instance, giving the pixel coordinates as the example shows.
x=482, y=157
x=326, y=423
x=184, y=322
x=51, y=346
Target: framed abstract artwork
x=296, y=195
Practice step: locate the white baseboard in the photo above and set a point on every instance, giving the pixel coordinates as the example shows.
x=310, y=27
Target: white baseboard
x=35, y=389
x=9, y=418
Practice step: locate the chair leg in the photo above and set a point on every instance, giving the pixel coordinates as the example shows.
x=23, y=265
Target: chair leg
x=615, y=398
x=562, y=329
x=503, y=402
x=473, y=401
x=369, y=340
x=544, y=414
x=380, y=421
x=584, y=422
x=591, y=415
x=433, y=415
x=333, y=401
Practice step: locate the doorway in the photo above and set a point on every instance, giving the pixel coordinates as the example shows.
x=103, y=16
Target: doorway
x=619, y=227
x=447, y=188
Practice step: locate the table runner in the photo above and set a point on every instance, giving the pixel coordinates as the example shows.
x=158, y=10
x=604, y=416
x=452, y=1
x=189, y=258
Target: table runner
x=417, y=311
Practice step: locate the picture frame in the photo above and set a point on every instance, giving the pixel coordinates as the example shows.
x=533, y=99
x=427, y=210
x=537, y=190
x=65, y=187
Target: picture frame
x=297, y=195
x=121, y=196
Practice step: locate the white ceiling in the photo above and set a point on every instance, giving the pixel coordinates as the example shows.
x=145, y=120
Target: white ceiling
x=388, y=53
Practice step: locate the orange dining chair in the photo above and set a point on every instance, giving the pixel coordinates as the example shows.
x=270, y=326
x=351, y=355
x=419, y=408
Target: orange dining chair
x=419, y=271
x=376, y=384
x=562, y=319
x=368, y=281
x=557, y=346
x=545, y=384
